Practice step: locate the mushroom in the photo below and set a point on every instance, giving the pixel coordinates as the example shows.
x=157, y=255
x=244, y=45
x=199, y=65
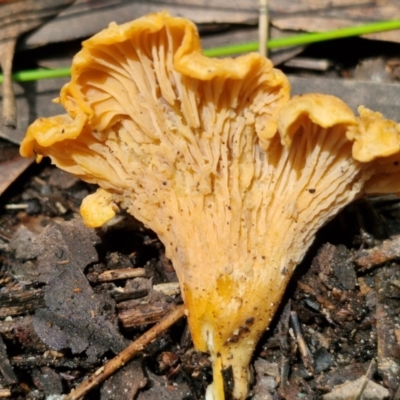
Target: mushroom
x=211, y=154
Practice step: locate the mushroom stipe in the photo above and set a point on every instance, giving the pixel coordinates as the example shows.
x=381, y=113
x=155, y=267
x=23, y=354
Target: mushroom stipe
x=207, y=151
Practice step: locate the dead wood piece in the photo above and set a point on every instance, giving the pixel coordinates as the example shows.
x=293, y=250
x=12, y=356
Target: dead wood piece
x=7, y=48
x=18, y=17
x=84, y=19
x=122, y=358
x=387, y=318
x=5, y=367
x=20, y=302
x=144, y=314
x=387, y=251
x=122, y=273
x=325, y=15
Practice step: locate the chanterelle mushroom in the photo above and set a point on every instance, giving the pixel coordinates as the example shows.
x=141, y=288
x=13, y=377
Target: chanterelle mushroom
x=190, y=146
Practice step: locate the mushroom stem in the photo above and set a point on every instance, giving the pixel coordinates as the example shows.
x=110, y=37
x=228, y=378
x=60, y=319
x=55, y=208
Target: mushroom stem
x=229, y=328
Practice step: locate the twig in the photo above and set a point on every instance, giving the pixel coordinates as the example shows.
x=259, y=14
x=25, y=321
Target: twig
x=284, y=345
x=305, y=353
x=122, y=273
x=122, y=358
x=142, y=314
x=21, y=206
x=367, y=377
x=263, y=27
x=9, y=106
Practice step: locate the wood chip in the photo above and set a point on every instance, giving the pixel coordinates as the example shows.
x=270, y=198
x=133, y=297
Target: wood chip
x=20, y=302
x=144, y=314
x=387, y=251
x=168, y=288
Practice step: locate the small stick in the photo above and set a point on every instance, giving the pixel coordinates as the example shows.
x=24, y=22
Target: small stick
x=122, y=358
x=367, y=377
x=306, y=356
x=123, y=273
x=284, y=345
x=9, y=106
x=263, y=27
x=21, y=206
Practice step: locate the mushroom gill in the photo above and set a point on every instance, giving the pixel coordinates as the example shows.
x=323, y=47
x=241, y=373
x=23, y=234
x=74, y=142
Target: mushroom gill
x=212, y=155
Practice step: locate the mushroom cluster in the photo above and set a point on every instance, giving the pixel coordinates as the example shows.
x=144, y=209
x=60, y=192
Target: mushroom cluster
x=213, y=155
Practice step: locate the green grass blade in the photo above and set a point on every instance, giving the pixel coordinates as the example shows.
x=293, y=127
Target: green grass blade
x=296, y=40
x=306, y=38
x=36, y=74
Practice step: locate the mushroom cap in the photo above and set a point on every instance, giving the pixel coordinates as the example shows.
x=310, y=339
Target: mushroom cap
x=171, y=136
x=313, y=106
x=212, y=155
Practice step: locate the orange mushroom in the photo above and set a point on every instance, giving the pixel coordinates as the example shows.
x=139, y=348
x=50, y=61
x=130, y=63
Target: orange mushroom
x=212, y=155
